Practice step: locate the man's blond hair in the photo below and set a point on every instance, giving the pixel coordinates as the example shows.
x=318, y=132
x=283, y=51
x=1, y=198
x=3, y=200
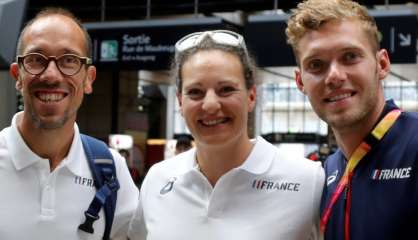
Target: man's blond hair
x=312, y=14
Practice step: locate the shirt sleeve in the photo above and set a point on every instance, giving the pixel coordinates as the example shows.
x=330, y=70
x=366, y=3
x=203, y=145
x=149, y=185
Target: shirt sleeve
x=127, y=200
x=137, y=228
x=318, y=187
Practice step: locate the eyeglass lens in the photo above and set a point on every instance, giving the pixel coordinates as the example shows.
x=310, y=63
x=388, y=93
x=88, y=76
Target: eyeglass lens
x=36, y=63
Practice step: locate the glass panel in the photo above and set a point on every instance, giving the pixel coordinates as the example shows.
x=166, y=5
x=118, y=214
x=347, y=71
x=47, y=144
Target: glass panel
x=285, y=109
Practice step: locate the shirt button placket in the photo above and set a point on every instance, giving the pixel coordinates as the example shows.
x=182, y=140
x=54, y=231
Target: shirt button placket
x=47, y=194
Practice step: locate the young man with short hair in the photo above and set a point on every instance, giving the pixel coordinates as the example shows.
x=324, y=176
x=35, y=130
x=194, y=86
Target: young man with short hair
x=371, y=188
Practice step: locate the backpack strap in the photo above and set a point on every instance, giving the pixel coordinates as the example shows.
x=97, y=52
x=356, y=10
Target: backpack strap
x=103, y=169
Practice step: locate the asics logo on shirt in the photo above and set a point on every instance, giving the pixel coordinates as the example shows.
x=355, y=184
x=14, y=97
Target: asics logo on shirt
x=261, y=184
x=388, y=174
x=331, y=178
x=169, y=186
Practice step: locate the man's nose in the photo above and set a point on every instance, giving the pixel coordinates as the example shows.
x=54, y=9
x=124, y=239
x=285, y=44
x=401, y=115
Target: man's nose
x=211, y=102
x=51, y=73
x=336, y=75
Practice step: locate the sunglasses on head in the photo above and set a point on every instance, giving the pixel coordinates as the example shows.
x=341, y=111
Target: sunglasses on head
x=222, y=37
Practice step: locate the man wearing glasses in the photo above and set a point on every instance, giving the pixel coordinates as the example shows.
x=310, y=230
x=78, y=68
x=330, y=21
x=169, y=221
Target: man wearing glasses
x=46, y=183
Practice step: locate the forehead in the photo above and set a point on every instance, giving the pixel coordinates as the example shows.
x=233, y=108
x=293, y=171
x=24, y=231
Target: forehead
x=213, y=58
x=332, y=36
x=214, y=65
x=53, y=35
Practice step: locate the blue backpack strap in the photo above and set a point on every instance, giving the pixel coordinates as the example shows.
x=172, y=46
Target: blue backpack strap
x=103, y=169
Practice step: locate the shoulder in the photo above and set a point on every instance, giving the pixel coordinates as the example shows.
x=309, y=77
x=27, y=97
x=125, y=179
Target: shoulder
x=307, y=174
x=168, y=170
x=290, y=165
x=4, y=149
x=410, y=115
x=334, y=162
x=297, y=163
x=121, y=166
x=405, y=132
x=8, y=142
x=3, y=136
x=176, y=165
x=283, y=160
x=118, y=159
x=407, y=120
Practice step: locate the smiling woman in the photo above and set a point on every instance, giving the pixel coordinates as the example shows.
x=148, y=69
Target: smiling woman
x=215, y=102
x=227, y=180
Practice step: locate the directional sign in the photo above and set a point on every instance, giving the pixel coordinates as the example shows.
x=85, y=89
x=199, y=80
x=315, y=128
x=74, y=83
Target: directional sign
x=265, y=36
x=404, y=40
x=148, y=44
x=266, y=39
x=399, y=34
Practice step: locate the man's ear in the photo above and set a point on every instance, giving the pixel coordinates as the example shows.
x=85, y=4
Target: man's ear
x=299, y=82
x=91, y=76
x=14, y=72
x=383, y=63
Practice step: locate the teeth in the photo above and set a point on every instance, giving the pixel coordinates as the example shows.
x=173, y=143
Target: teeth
x=51, y=97
x=213, y=122
x=339, y=97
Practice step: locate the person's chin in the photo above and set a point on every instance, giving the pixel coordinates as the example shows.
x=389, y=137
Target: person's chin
x=50, y=122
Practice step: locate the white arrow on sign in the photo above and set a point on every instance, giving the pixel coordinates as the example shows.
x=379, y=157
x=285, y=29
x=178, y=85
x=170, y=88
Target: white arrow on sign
x=405, y=39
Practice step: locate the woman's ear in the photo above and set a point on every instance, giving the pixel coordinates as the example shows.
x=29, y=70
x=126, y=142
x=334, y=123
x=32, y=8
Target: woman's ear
x=179, y=100
x=252, y=97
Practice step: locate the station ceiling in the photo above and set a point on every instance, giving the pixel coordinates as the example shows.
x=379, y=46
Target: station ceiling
x=91, y=10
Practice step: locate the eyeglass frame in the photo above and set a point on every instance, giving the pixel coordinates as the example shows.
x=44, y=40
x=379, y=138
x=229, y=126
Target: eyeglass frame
x=83, y=60
x=202, y=35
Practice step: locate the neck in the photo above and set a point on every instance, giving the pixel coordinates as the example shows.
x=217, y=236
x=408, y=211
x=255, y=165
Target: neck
x=349, y=138
x=215, y=161
x=52, y=144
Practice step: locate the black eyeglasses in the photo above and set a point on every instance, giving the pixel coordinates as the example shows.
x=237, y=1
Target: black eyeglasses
x=67, y=64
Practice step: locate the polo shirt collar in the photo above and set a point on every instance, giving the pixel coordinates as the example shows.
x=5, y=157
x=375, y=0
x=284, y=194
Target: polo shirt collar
x=258, y=162
x=189, y=163
x=260, y=158
x=76, y=157
x=22, y=156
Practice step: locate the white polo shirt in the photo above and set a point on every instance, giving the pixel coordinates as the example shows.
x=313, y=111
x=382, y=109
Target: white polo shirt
x=270, y=196
x=38, y=204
